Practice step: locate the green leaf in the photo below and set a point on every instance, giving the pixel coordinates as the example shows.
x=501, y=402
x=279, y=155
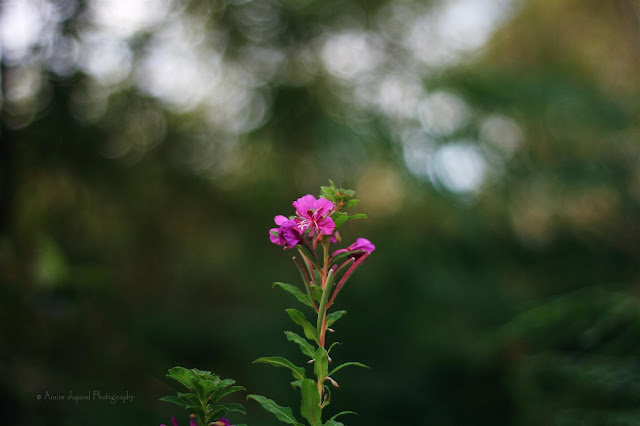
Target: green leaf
x=332, y=345
x=175, y=400
x=321, y=364
x=302, y=297
x=224, y=383
x=316, y=290
x=310, y=407
x=341, y=413
x=339, y=219
x=211, y=387
x=305, y=346
x=346, y=364
x=334, y=316
x=221, y=393
x=217, y=412
x=296, y=384
x=182, y=375
x=191, y=397
x=284, y=414
x=233, y=406
x=309, y=330
x=333, y=423
x=278, y=361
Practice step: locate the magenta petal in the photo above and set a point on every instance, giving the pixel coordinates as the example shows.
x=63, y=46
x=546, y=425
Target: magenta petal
x=193, y=422
x=362, y=244
x=280, y=219
x=322, y=207
x=326, y=226
x=274, y=236
x=290, y=233
x=304, y=204
x=173, y=420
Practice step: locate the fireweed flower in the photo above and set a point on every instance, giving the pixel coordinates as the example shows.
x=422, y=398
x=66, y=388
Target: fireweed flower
x=360, y=247
x=314, y=214
x=173, y=421
x=221, y=422
x=193, y=422
x=287, y=235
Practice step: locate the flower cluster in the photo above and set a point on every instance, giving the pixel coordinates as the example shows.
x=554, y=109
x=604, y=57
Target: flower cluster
x=315, y=216
x=311, y=214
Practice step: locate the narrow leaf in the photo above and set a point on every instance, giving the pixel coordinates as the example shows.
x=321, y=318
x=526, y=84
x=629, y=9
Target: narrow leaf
x=217, y=412
x=332, y=345
x=295, y=291
x=341, y=413
x=305, y=346
x=221, y=393
x=333, y=423
x=310, y=407
x=191, y=397
x=309, y=330
x=175, y=400
x=346, y=364
x=278, y=361
x=334, y=316
x=358, y=216
x=316, y=290
x=284, y=414
x=233, y=406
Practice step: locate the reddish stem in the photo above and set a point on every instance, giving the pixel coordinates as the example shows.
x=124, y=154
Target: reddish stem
x=345, y=277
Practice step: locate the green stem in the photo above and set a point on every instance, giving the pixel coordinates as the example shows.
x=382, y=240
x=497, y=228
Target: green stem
x=306, y=280
x=322, y=321
x=322, y=309
x=204, y=412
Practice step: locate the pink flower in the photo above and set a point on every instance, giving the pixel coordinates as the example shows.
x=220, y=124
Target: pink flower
x=287, y=235
x=360, y=247
x=173, y=420
x=222, y=422
x=314, y=214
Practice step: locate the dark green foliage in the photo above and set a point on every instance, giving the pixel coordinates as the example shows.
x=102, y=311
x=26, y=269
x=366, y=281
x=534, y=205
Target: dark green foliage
x=205, y=391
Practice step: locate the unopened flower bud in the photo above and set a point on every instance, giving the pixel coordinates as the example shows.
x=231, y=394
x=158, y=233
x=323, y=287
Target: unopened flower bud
x=333, y=382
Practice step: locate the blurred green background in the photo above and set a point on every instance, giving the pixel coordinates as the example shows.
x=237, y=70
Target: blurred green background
x=146, y=146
